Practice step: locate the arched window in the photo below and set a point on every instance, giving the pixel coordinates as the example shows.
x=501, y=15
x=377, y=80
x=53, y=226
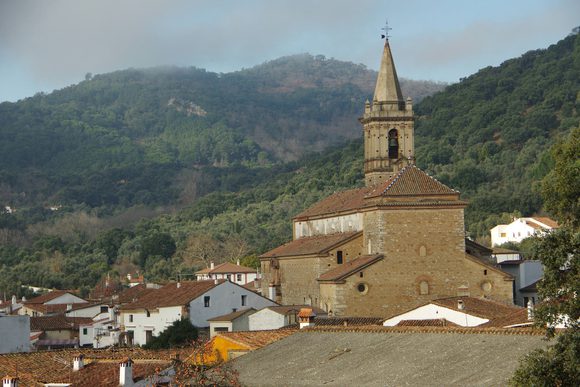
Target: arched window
x=393, y=144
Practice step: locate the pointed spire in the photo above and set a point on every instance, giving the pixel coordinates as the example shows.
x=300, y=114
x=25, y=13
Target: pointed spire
x=387, y=88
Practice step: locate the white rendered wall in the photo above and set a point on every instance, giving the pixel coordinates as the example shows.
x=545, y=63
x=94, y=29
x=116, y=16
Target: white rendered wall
x=157, y=322
x=219, y=324
x=266, y=319
x=345, y=223
x=246, y=278
x=90, y=312
x=516, y=231
x=224, y=298
x=14, y=334
x=433, y=312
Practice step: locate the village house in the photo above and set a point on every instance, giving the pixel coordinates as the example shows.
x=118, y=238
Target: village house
x=392, y=245
x=56, y=331
x=275, y=317
x=197, y=301
x=51, y=303
x=231, y=322
x=520, y=229
x=235, y=273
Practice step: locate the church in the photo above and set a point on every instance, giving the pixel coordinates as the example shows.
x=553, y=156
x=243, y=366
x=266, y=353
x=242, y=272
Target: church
x=385, y=248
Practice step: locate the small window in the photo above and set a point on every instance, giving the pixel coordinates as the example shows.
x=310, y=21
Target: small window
x=238, y=277
x=104, y=309
x=85, y=331
x=485, y=272
x=361, y=274
x=244, y=297
x=423, y=288
x=502, y=234
x=229, y=277
x=130, y=318
x=206, y=301
x=221, y=329
x=339, y=257
x=148, y=313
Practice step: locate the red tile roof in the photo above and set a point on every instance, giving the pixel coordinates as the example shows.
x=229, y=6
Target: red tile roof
x=318, y=244
x=257, y=339
x=232, y=316
x=440, y=322
x=48, y=308
x=227, y=267
x=48, y=297
x=547, y=221
x=347, y=321
x=132, y=294
x=58, y=322
x=517, y=317
x=479, y=307
x=173, y=294
x=339, y=202
x=412, y=181
x=345, y=270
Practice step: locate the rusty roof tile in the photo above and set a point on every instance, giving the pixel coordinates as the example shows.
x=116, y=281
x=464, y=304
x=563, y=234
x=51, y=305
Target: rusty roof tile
x=318, y=244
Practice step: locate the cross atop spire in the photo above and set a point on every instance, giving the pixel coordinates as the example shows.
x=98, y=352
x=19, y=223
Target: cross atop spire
x=386, y=28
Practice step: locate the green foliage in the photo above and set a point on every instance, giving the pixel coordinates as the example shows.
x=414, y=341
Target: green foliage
x=180, y=333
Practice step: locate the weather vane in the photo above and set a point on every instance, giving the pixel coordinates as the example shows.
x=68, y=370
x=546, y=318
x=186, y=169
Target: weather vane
x=386, y=28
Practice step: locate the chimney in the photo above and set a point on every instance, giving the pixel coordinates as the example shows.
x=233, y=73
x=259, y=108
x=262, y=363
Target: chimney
x=69, y=307
x=126, y=372
x=13, y=299
x=460, y=305
x=530, y=307
x=238, y=262
x=272, y=292
x=211, y=265
x=9, y=381
x=306, y=317
x=178, y=285
x=78, y=362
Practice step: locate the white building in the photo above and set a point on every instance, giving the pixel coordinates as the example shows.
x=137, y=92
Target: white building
x=237, y=274
x=275, y=317
x=14, y=334
x=54, y=302
x=231, y=322
x=198, y=301
x=520, y=229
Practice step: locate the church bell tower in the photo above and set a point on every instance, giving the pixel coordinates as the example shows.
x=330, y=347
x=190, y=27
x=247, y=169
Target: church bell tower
x=388, y=127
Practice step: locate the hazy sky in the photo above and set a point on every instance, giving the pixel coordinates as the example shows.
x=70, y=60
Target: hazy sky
x=46, y=45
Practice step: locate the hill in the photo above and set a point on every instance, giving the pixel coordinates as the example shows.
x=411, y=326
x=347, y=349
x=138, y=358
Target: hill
x=488, y=136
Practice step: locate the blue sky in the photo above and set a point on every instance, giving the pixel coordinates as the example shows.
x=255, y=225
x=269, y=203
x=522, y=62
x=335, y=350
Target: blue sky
x=47, y=45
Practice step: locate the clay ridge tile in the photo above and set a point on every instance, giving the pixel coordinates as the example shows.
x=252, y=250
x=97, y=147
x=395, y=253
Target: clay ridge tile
x=411, y=181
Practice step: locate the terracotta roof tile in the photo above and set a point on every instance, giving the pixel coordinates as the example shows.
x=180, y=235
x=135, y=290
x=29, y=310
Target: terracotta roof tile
x=412, y=181
x=227, y=267
x=517, y=317
x=347, y=321
x=346, y=269
x=48, y=308
x=440, y=322
x=339, y=202
x=479, y=307
x=547, y=221
x=48, y=323
x=48, y=297
x=173, y=295
x=257, y=339
x=133, y=294
x=232, y=316
x=311, y=245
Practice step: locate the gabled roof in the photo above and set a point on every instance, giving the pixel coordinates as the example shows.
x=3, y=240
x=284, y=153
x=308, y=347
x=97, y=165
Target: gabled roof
x=479, y=307
x=47, y=308
x=49, y=297
x=345, y=270
x=225, y=268
x=545, y=220
x=347, y=321
x=517, y=317
x=339, y=202
x=318, y=244
x=232, y=316
x=440, y=322
x=411, y=181
x=133, y=293
x=173, y=294
x=58, y=322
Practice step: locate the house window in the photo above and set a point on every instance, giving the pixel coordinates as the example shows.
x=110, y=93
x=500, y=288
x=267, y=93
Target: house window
x=485, y=272
x=361, y=274
x=85, y=331
x=244, y=300
x=130, y=318
x=238, y=277
x=148, y=313
x=221, y=329
x=206, y=301
x=104, y=309
x=339, y=257
x=503, y=234
x=148, y=336
x=228, y=277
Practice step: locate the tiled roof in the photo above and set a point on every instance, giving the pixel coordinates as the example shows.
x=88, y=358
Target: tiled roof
x=257, y=339
x=344, y=201
x=47, y=297
x=173, y=294
x=534, y=225
x=346, y=269
x=517, y=317
x=294, y=309
x=38, y=368
x=48, y=323
x=227, y=267
x=232, y=316
x=133, y=293
x=48, y=308
x=478, y=307
x=547, y=221
x=440, y=322
x=311, y=245
x=347, y=321
x=411, y=181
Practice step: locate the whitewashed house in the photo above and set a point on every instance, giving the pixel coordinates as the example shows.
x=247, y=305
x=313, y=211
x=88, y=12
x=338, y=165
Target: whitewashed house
x=51, y=303
x=14, y=334
x=237, y=274
x=231, y=322
x=275, y=317
x=520, y=229
x=197, y=301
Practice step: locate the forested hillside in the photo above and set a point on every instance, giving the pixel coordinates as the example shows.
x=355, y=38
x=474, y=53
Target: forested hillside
x=488, y=136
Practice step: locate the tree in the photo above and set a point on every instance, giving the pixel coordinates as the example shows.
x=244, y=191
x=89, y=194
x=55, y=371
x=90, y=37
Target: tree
x=180, y=333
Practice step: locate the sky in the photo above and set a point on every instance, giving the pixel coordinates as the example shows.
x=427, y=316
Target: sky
x=47, y=45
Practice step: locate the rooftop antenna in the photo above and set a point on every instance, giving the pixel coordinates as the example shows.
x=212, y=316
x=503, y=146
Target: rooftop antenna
x=386, y=28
